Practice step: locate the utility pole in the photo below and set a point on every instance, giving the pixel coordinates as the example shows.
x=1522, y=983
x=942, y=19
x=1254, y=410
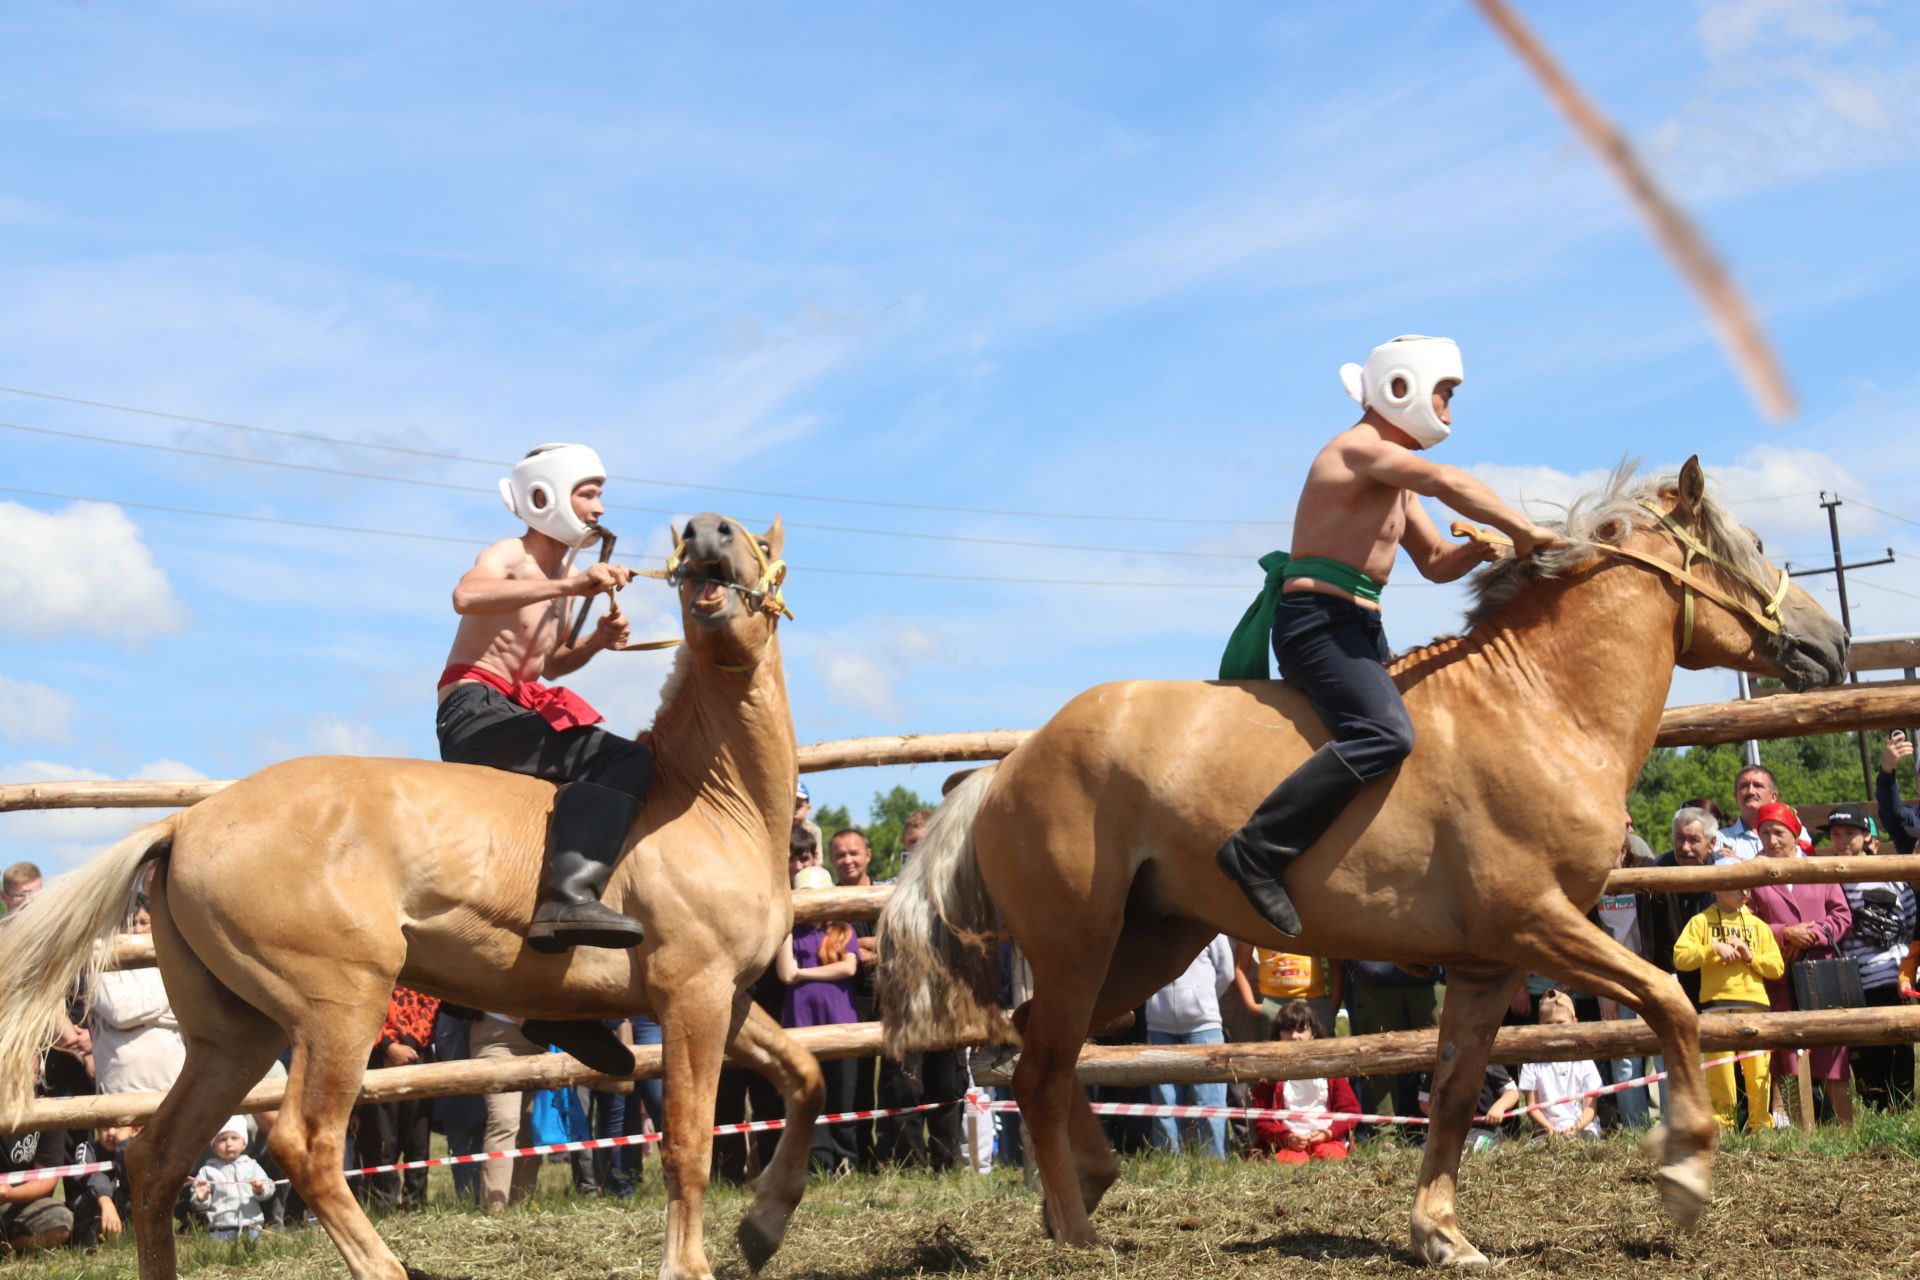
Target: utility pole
x=1831, y=503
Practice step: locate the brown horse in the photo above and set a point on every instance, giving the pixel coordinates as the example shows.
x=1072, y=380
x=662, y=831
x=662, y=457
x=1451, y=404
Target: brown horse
x=1094, y=840
x=286, y=908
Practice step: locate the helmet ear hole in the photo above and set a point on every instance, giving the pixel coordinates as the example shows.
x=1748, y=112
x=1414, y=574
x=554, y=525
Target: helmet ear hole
x=540, y=496
x=1398, y=387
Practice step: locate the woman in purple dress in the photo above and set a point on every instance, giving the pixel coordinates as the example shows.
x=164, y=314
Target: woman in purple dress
x=818, y=965
x=1808, y=921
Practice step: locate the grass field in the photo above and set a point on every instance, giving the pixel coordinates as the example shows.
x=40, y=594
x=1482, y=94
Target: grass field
x=1839, y=1204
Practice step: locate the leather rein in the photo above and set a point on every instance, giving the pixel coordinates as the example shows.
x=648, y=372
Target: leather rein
x=1766, y=615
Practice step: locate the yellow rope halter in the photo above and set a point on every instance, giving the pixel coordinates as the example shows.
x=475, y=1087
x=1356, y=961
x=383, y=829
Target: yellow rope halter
x=767, y=596
x=1766, y=617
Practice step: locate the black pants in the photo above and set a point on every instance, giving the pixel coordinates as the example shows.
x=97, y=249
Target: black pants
x=1883, y=1073
x=834, y=1144
x=479, y=725
x=738, y=1085
x=1335, y=652
x=927, y=1139
x=390, y=1133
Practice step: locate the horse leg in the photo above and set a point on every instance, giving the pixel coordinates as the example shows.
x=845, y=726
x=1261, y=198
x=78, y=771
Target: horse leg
x=1558, y=941
x=1473, y=1010
x=695, y=1028
x=330, y=1051
x=1147, y=957
x=230, y=1045
x=764, y=1046
x=1050, y=1098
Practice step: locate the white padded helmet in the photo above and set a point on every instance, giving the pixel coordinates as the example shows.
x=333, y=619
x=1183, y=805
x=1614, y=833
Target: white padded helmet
x=540, y=491
x=1420, y=364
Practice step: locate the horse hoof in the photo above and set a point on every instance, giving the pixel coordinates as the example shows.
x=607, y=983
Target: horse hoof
x=1685, y=1189
x=1091, y=1240
x=1439, y=1250
x=757, y=1242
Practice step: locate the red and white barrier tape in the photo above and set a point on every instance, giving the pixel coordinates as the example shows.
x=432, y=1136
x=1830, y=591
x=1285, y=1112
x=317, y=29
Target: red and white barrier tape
x=971, y=1101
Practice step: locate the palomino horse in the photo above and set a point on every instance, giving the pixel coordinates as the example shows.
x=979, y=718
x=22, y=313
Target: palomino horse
x=286, y=908
x=1094, y=840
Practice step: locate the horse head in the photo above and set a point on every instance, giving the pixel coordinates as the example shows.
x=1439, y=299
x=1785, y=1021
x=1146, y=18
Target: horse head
x=1757, y=621
x=729, y=580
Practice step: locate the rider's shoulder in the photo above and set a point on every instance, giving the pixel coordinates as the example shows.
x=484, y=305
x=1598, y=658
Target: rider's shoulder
x=505, y=556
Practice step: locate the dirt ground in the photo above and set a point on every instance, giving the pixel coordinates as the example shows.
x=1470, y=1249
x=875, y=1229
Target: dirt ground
x=1836, y=1207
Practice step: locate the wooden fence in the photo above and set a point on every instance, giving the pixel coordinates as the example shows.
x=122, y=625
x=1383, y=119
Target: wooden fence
x=1850, y=708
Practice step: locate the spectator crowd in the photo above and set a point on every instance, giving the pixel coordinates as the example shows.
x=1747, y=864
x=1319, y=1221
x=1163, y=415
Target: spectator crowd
x=1776, y=947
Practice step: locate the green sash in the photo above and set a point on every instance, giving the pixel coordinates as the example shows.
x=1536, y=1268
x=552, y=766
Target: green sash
x=1249, y=649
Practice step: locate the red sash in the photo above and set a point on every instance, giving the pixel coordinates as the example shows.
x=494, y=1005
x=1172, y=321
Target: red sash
x=561, y=708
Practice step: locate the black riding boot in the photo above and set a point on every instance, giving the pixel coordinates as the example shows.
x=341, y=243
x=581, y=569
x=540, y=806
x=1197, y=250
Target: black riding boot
x=1297, y=813
x=584, y=841
x=593, y=1043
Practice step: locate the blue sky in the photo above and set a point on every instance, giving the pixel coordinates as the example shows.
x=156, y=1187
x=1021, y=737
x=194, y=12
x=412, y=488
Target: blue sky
x=1099, y=261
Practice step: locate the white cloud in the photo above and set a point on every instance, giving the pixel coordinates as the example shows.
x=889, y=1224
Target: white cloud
x=84, y=571
x=1738, y=28
x=334, y=736
x=1793, y=88
x=862, y=669
x=33, y=713
x=61, y=839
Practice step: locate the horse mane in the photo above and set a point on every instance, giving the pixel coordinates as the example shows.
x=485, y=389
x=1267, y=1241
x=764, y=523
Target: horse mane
x=675, y=681
x=1608, y=516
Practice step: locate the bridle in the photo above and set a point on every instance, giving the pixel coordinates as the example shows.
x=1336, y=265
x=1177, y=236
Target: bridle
x=1765, y=615
x=766, y=598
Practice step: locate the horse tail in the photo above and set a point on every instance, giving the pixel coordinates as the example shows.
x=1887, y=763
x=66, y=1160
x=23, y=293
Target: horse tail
x=939, y=977
x=58, y=940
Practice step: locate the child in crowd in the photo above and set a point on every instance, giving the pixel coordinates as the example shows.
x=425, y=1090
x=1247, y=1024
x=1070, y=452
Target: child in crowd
x=230, y=1187
x=1559, y=1093
x=1326, y=1107
x=1736, y=954
x=1494, y=1121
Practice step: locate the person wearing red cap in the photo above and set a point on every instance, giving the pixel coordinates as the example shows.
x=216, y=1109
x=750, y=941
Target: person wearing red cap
x=1808, y=921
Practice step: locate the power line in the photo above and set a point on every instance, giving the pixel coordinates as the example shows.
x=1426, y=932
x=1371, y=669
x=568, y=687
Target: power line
x=315, y=469
x=474, y=542
x=318, y=438
x=1879, y=511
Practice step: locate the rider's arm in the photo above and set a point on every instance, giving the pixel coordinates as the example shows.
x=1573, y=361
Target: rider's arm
x=488, y=588
x=1437, y=558
x=1391, y=465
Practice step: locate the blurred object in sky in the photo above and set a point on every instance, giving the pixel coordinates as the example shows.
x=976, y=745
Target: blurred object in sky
x=1728, y=312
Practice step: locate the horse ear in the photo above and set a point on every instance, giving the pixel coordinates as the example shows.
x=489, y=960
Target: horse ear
x=1693, y=487
x=774, y=539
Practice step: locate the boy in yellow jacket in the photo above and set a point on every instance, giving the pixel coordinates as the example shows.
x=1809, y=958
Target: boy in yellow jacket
x=1735, y=952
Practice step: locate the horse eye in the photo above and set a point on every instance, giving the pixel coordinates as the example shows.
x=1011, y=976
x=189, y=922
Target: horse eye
x=766, y=547
x=1759, y=544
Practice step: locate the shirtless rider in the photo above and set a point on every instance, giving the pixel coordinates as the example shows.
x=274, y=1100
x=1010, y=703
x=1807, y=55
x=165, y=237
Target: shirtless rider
x=1359, y=507
x=513, y=607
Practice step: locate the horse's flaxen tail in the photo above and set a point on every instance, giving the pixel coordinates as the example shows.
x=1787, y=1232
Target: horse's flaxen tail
x=55, y=942
x=939, y=975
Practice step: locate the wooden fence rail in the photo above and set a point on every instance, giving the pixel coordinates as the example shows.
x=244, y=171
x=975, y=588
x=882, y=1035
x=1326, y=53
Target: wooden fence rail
x=1099, y=1064
x=1398, y=1051
x=819, y=906
x=1853, y=707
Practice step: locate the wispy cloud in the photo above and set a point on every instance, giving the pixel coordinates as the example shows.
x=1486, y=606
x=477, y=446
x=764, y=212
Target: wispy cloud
x=32, y=712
